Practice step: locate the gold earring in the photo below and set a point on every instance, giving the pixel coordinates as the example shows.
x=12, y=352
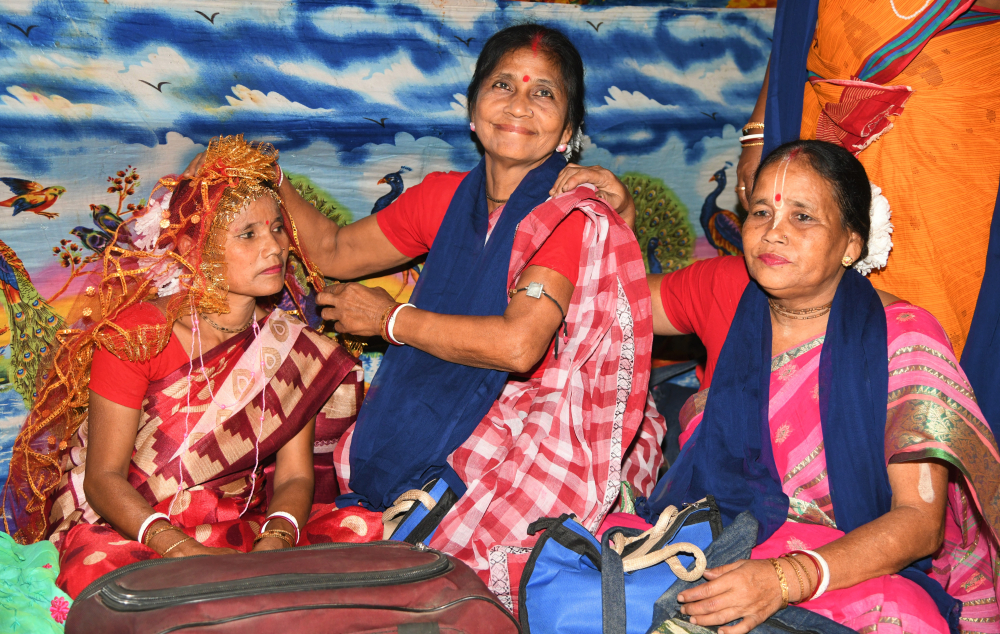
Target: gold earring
x=847, y=261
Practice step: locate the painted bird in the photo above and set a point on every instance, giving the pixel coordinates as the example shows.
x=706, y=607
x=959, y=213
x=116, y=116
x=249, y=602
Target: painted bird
x=105, y=219
x=654, y=262
x=662, y=227
x=722, y=227
x=96, y=241
x=395, y=182
x=30, y=196
x=32, y=321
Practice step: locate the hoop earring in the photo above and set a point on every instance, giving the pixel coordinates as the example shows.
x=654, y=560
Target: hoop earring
x=562, y=147
x=472, y=126
x=847, y=261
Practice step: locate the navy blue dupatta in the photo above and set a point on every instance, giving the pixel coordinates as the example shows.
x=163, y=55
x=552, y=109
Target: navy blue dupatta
x=730, y=453
x=419, y=408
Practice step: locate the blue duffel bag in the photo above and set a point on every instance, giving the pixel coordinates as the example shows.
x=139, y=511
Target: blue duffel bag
x=573, y=584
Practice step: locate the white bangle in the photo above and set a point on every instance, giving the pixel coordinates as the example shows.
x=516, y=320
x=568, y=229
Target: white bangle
x=149, y=520
x=751, y=137
x=826, y=574
x=392, y=322
x=285, y=516
x=281, y=175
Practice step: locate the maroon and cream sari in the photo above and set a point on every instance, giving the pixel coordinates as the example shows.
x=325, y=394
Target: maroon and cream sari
x=207, y=439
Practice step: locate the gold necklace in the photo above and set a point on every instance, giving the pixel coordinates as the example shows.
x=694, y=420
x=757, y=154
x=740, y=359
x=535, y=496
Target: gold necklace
x=496, y=200
x=232, y=331
x=802, y=313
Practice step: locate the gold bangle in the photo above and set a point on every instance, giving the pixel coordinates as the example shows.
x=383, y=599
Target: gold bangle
x=754, y=144
x=754, y=125
x=175, y=545
x=798, y=575
x=150, y=534
x=782, y=581
x=384, y=322
x=284, y=536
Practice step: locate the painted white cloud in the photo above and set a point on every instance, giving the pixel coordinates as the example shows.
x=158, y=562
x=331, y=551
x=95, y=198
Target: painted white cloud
x=670, y=163
x=378, y=80
x=698, y=26
x=350, y=21
x=618, y=99
x=247, y=99
x=356, y=186
x=706, y=78
x=35, y=104
x=164, y=67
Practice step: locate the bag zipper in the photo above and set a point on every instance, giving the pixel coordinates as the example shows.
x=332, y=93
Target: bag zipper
x=112, y=593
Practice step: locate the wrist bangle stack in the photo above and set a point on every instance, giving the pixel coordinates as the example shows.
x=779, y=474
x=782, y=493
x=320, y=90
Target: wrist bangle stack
x=288, y=517
x=142, y=537
x=392, y=322
x=284, y=536
x=822, y=572
x=782, y=582
x=800, y=574
x=750, y=137
x=383, y=326
x=753, y=125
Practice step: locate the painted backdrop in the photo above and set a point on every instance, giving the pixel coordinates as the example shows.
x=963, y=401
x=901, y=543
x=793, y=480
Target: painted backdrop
x=99, y=98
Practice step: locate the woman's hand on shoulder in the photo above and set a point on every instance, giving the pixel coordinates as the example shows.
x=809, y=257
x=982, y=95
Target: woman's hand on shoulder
x=609, y=188
x=747, y=590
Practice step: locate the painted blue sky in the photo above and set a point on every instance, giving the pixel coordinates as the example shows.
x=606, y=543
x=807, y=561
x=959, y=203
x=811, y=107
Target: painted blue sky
x=667, y=88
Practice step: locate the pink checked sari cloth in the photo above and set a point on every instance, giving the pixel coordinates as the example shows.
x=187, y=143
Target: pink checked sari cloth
x=931, y=413
x=206, y=465
x=564, y=442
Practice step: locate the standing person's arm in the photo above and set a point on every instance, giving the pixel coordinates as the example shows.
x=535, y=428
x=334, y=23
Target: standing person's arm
x=750, y=156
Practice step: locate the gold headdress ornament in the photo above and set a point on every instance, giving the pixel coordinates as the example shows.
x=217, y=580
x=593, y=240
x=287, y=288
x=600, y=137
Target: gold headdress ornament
x=142, y=263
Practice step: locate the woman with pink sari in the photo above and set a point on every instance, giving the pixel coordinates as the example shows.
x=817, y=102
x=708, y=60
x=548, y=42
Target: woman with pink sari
x=879, y=519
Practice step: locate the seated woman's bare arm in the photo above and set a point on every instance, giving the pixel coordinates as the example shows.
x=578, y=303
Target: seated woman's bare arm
x=661, y=323
x=111, y=439
x=911, y=530
x=293, y=486
x=512, y=342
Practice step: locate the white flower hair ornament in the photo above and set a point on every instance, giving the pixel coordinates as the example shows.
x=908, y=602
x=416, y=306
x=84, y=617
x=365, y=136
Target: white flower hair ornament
x=880, y=234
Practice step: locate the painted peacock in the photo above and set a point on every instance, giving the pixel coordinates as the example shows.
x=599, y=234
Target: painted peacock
x=665, y=233
x=723, y=228
x=32, y=322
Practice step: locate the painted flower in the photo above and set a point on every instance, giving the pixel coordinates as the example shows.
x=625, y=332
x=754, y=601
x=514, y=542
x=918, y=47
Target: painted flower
x=59, y=609
x=815, y=392
x=47, y=566
x=905, y=316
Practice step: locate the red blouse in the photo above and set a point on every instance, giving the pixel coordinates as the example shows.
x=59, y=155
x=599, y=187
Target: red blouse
x=412, y=221
x=702, y=298
x=125, y=382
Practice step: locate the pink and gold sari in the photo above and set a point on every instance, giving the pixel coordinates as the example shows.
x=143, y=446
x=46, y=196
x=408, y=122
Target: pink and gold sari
x=931, y=413
x=207, y=439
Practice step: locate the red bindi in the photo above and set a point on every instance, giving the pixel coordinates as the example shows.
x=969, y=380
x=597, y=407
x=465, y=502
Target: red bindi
x=526, y=79
x=777, y=198
x=267, y=222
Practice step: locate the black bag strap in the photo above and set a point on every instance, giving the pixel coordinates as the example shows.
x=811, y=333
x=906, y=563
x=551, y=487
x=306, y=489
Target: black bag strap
x=612, y=588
